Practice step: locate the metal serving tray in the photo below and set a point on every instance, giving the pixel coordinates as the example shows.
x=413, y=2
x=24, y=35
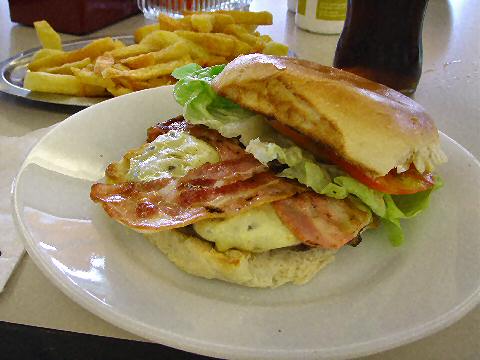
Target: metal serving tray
x=13, y=72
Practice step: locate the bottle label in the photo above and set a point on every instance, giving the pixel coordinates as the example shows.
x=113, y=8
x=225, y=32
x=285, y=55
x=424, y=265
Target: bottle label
x=302, y=7
x=331, y=9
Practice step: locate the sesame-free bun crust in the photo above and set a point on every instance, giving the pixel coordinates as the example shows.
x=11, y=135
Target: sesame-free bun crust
x=266, y=270
x=366, y=123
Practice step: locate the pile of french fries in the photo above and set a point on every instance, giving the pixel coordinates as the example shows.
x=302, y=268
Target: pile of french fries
x=107, y=67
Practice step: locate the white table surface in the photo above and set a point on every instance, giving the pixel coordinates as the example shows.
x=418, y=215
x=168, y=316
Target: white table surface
x=449, y=89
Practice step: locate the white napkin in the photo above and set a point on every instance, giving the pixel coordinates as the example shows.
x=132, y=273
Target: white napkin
x=13, y=151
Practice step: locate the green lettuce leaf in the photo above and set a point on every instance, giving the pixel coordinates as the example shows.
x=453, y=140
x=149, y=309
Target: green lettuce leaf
x=412, y=204
x=391, y=208
x=301, y=166
x=372, y=198
x=184, y=71
x=203, y=106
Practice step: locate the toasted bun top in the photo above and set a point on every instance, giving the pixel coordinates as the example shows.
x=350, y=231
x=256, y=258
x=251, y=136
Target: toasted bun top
x=366, y=123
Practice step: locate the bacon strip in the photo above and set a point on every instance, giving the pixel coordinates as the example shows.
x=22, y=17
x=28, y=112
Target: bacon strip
x=177, y=123
x=322, y=221
x=222, y=173
x=234, y=184
x=159, y=204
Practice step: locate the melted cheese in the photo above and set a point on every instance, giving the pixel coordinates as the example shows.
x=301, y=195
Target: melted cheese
x=257, y=230
x=171, y=155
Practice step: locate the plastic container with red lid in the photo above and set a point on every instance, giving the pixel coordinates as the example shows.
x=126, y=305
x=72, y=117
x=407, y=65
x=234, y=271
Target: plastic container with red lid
x=77, y=17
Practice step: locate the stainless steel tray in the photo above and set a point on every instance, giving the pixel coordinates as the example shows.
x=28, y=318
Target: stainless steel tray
x=13, y=71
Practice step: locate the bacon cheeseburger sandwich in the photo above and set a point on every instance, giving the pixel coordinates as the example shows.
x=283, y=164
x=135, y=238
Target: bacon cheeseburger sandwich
x=275, y=164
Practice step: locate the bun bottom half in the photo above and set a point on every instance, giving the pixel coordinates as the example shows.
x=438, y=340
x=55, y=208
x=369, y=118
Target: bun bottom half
x=266, y=270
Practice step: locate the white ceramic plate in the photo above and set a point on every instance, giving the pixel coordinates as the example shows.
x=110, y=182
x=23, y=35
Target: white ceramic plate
x=372, y=298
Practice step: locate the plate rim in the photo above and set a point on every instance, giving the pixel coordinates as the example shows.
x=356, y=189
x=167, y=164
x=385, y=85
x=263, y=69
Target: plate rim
x=77, y=295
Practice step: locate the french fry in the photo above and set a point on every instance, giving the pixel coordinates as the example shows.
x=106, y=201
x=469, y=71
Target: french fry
x=241, y=48
x=159, y=39
x=186, y=21
x=202, y=22
x=167, y=23
x=218, y=44
x=118, y=44
x=109, y=66
x=120, y=67
x=240, y=17
x=49, y=61
x=175, y=51
x=137, y=85
x=87, y=76
x=48, y=37
x=212, y=60
x=236, y=29
x=128, y=83
x=219, y=22
x=94, y=91
x=44, y=53
x=139, y=61
x=196, y=51
x=274, y=48
x=53, y=83
x=240, y=33
x=161, y=81
x=129, y=51
x=59, y=84
x=250, y=27
x=214, y=43
x=92, y=51
x=265, y=38
x=102, y=63
x=246, y=17
x=143, y=31
x=66, y=69
x=198, y=54
x=172, y=52
x=118, y=90
x=149, y=72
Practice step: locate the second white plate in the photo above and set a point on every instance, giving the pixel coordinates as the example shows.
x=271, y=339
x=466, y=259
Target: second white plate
x=372, y=298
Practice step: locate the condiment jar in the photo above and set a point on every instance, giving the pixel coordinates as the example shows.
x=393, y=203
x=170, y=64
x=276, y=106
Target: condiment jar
x=321, y=16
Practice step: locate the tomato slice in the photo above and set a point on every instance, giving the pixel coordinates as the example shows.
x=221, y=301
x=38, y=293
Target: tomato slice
x=408, y=182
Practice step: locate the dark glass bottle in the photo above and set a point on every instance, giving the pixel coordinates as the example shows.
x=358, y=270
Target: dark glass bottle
x=382, y=41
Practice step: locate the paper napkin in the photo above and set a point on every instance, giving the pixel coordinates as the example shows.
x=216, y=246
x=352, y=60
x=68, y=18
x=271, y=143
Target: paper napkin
x=13, y=151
